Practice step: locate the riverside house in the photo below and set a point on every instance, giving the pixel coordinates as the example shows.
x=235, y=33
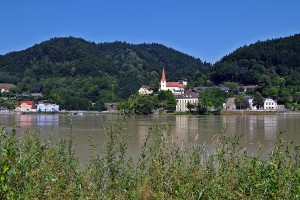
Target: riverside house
x=47, y=107
x=269, y=104
x=183, y=100
x=26, y=106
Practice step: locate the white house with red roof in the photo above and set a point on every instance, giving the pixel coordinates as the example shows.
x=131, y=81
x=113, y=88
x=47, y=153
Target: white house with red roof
x=176, y=88
x=5, y=89
x=247, y=87
x=47, y=107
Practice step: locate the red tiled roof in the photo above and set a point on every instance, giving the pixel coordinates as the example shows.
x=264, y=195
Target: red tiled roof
x=45, y=103
x=174, y=84
x=5, y=88
x=28, y=102
x=245, y=87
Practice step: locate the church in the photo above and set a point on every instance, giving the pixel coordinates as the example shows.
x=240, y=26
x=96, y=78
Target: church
x=177, y=88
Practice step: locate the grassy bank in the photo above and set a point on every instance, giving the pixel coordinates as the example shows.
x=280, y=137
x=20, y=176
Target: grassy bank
x=31, y=168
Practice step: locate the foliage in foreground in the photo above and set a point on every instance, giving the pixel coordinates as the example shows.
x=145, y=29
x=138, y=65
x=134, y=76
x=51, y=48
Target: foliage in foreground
x=31, y=168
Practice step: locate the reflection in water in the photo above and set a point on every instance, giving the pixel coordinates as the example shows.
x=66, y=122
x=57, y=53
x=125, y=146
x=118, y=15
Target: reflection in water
x=254, y=129
x=26, y=120
x=31, y=120
x=47, y=120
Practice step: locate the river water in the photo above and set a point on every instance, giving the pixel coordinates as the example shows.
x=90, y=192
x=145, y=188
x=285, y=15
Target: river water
x=255, y=129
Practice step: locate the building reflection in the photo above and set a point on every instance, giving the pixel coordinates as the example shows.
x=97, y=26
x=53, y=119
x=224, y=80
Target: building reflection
x=47, y=120
x=26, y=121
x=270, y=127
x=254, y=129
x=42, y=122
x=186, y=128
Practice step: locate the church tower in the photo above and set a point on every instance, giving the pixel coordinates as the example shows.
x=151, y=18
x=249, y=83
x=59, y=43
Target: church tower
x=163, y=81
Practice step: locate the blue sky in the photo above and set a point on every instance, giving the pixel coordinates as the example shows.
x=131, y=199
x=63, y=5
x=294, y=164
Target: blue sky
x=204, y=29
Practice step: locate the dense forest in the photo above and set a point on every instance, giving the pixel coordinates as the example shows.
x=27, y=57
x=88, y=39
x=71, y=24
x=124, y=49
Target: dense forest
x=279, y=59
x=273, y=65
x=76, y=73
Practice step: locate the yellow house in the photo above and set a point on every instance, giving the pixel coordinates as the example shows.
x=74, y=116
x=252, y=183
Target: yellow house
x=27, y=106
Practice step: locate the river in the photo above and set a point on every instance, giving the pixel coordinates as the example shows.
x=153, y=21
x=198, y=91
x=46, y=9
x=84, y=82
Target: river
x=255, y=129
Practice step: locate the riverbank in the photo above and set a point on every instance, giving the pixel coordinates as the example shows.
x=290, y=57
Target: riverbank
x=250, y=112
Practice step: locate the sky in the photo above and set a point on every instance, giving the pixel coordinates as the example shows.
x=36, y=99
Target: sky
x=205, y=29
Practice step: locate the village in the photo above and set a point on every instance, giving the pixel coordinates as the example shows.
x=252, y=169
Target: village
x=184, y=98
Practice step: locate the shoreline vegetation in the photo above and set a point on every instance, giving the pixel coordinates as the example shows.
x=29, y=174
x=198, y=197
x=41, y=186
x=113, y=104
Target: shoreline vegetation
x=32, y=168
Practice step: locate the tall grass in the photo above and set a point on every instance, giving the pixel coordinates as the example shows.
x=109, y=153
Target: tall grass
x=31, y=168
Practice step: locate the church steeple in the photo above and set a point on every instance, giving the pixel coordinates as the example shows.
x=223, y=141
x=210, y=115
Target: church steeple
x=163, y=81
x=163, y=76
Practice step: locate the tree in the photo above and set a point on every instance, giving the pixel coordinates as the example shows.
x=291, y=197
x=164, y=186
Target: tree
x=167, y=99
x=240, y=102
x=264, y=82
x=191, y=106
x=258, y=100
x=296, y=97
x=139, y=104
x=270, y=91
x=201, y=107
x=212, y=98
x=232, y=86
x=284, y=96
x=154, y=81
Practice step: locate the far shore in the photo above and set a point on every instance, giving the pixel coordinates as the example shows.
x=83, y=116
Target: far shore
x=255, y=112
x=223, y=112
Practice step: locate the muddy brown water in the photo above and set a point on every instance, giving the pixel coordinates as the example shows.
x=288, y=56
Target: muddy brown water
x=255, y=129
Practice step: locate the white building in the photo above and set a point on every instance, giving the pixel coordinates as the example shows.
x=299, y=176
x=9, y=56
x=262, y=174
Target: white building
x=176, y=88
x=184, y=99
x=251, y=104
x=47, y=107
x=270, y=104
x=145, y=90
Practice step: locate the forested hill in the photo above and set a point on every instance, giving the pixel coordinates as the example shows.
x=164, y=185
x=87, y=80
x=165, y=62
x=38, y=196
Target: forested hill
x=276, y=59
x=73, y=72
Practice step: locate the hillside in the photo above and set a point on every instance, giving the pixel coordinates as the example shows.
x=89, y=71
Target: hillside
x=75, y=73
x=279, y=59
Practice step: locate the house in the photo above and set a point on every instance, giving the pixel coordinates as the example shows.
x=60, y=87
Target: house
x=224, y=89
x=3, y=109
x=110, y=106
x=176, y=88
x=145, y=90
x=36, y=95
x=183, y=100
x=270, y=104
x=27, y=106
x=5, y=89
x=247, y=87
x=183, y=82
x=229, y=105
x=200, y=88
x=47, y=107
x=250, y=103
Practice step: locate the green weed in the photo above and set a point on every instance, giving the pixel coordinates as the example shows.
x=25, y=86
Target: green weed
x=32, y=168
